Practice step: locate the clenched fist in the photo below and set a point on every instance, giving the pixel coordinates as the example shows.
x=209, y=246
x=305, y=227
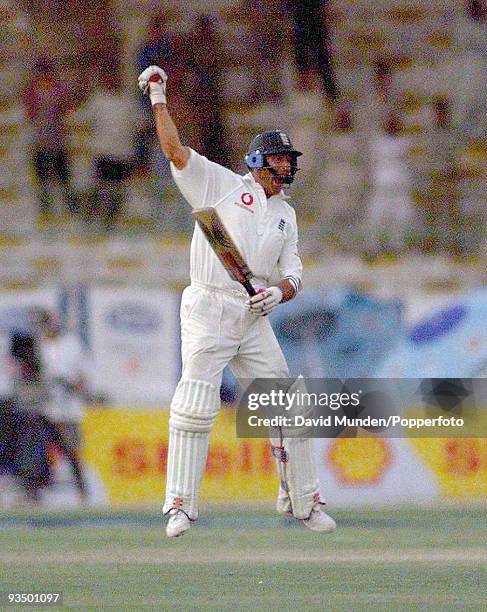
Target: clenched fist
x=152, y=81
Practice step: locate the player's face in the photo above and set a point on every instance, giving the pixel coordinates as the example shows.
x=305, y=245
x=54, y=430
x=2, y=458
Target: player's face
x=281, y=164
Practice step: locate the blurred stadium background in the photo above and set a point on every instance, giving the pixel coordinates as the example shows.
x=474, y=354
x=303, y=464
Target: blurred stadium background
x=387, y=99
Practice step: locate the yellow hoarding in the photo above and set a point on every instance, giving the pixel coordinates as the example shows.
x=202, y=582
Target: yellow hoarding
x=128, y=451
x=459, y=465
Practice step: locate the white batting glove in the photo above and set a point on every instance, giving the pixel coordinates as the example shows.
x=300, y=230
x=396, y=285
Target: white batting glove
x=152, y=81
x=265, y=301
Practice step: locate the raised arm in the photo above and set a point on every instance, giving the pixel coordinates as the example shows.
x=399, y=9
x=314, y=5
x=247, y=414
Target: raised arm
x=152, y=81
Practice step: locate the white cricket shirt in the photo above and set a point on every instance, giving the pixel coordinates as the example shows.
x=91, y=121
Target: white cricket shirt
x=264, y=230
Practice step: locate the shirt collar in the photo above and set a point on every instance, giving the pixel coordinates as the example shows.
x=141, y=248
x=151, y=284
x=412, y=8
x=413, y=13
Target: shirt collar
x=249, y=177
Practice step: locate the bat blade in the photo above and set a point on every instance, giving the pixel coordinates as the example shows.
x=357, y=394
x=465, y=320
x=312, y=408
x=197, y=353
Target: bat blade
x=224, y=247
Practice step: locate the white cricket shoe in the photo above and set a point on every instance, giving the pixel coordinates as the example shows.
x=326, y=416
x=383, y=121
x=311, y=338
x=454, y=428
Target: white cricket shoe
x=320, y=521
x=178, y=523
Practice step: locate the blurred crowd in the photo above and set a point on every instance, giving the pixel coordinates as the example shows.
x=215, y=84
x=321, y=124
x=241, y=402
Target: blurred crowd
x=362, y=186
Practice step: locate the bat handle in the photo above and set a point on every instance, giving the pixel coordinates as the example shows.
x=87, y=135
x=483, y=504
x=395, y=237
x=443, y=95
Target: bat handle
x=249, y=288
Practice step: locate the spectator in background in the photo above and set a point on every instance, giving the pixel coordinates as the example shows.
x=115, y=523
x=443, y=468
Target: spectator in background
x=28, y=444
x=112, y=117
x=269, y=35
x=47, y=100
x=477, y=9
x=66, y=373
x=464, y=70
x=205, y=63
x=9, y=453
x=341, y=181
x=390, y=207
x=312, y=45
x=440, y=212
x=469, y=116
x=378, y=101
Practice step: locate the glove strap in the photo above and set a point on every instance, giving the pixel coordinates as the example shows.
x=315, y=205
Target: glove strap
x=158, y=96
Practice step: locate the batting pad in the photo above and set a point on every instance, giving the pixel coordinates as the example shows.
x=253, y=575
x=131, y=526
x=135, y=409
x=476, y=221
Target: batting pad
x=193, y=411
x=301, y=478
x=194, y=406
x=185, y=468
x=299, y=387
x=298, y=490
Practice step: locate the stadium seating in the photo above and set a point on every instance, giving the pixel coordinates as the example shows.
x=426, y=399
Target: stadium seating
x=419, y=37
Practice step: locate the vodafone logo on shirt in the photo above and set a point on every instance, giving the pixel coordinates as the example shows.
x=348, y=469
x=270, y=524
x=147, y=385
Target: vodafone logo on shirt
x=247, y=199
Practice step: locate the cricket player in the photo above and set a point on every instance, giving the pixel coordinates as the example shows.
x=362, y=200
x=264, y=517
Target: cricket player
x=220, y=324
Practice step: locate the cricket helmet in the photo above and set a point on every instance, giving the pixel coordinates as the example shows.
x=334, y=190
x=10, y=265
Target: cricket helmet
x=271, y=143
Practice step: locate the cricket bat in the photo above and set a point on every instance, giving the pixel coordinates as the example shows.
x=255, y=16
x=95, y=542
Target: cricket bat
x=224, y=247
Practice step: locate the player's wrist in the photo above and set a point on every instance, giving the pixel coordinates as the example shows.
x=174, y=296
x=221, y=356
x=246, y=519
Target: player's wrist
x=287, y=290
x=157, y=94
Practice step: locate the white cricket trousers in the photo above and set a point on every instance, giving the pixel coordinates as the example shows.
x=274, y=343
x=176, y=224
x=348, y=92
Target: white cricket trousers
x=217, y=330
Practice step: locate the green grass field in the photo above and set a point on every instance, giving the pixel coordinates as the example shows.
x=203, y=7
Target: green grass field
x=234, y=559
